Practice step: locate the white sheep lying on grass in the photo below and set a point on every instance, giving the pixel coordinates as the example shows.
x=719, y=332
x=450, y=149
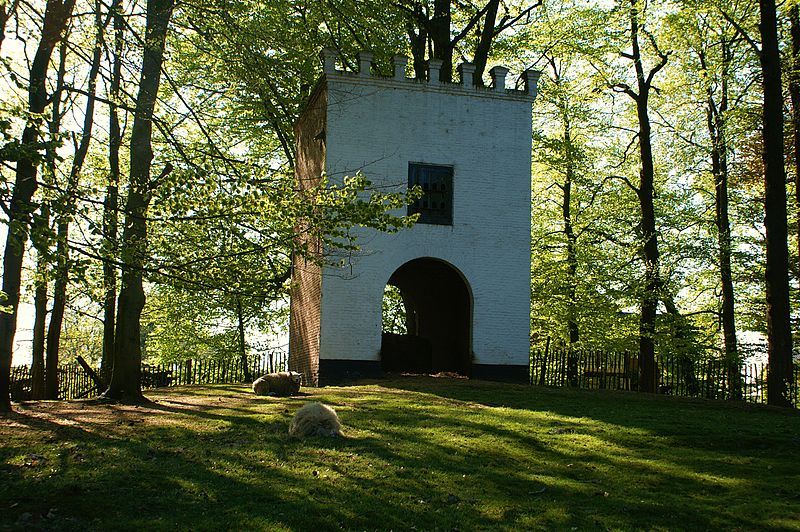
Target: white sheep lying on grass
x=280, y=384
x=315, y=419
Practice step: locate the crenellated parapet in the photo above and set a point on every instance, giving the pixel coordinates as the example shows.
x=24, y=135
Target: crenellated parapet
x=529, y=78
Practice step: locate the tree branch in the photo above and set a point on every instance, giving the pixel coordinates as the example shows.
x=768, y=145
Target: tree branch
x=626, y=181
x=524, y=13
x=741, y=31
x=471, y=24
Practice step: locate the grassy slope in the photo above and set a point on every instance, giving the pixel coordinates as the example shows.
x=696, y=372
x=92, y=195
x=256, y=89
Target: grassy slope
x=430, y=453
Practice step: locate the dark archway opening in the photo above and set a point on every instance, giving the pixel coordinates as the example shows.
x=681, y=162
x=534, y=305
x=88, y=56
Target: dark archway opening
x=427, y=319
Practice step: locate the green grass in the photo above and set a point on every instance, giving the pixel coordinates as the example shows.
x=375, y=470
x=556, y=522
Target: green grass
x=418, y=452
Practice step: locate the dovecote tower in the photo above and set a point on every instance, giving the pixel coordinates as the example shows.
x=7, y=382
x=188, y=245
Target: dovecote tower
x=463, y=270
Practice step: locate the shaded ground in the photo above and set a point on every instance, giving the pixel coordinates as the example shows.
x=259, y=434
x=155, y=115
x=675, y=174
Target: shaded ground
x=419, y=452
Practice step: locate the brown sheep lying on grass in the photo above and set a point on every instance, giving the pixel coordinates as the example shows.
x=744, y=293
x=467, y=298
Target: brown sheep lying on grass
x=280, y=384
x=315, y=419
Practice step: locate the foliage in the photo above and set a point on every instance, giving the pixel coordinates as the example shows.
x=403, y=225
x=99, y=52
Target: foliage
x=393, y=311
x=180, y=325
x=584, y=74
x=602, y=252
x=224, y=220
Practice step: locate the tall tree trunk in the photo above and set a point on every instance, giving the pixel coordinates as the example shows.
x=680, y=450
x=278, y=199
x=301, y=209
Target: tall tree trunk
x=715, y=116
x=57, y=312
x=649, y=298
x=51, y=364
x=126, y=375
x=572, y=241
x=55, y=20
x=645, y=193
x=248, y=377
x=62, y=235
x=484, y=45
x=779, y=332
x=111, y=202
x=794, y=93
x=110, y=206
x=720, y=171
x=40, y=316
x=41, y=243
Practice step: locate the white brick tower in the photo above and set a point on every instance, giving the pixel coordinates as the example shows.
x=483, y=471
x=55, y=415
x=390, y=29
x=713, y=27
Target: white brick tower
x=464, y=268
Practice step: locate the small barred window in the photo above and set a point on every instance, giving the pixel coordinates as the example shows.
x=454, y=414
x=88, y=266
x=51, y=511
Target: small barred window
x=436, y=204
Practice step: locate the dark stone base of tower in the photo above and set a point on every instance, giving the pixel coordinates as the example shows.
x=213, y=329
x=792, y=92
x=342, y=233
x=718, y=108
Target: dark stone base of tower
x=339, y=372
x=336, y=372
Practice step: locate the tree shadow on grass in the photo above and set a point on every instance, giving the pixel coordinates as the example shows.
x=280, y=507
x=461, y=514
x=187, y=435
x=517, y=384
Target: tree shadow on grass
x=162, y=477
x=714, y=453
x=638, y=410
x=429, y=457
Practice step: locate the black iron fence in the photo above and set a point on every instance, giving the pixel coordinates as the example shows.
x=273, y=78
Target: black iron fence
x=619, y=370
x=584, y=368
x=75, y=383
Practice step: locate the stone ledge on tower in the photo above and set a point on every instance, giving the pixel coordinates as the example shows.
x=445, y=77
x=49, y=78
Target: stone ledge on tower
x=529, y=78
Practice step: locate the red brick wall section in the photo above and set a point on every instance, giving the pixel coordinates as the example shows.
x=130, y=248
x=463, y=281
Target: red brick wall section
x=304, y=320
x=306, y=291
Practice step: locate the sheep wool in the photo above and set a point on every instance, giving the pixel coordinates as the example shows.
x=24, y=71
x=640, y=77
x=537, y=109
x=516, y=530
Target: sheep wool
x=280, y=384
x=315, y=419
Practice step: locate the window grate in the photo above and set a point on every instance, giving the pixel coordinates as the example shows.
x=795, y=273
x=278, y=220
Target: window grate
x=436, y=182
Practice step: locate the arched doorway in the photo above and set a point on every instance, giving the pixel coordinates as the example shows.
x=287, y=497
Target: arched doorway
x=427, y=319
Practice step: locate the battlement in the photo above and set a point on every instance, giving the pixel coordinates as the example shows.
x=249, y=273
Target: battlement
x=529, y=78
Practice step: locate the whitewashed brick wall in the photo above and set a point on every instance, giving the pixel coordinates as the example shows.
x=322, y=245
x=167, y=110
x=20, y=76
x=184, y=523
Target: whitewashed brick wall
x=378, y=126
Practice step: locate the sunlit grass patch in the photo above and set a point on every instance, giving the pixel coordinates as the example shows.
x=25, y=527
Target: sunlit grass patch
x=429, y=453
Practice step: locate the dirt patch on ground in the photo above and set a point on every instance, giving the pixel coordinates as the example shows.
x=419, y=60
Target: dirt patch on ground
x=95, y=416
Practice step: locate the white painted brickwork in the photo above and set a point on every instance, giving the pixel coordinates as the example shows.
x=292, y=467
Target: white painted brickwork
x=378, y=126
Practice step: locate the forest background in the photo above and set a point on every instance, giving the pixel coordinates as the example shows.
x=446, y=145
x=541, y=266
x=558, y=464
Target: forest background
x=147, y=170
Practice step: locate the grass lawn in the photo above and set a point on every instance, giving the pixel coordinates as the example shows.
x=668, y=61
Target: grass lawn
x=419, y=452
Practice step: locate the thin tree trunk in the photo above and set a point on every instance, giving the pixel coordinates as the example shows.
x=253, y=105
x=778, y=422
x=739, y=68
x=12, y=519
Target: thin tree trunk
x=126, y=375
x=111, y=203
x=57, y=312
x=716, y=122
x=248, y=377
x=645, y=192
x=110, y=206
x=484, y=45
x=37, y=351
x=719, y=169
x=779, y=332
x=64, y=220
x=41, y=243
x=55, y=19
x=726, y=276
x=794, y=93
x=440, y=36
x=51, y=364
x=572, y=241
